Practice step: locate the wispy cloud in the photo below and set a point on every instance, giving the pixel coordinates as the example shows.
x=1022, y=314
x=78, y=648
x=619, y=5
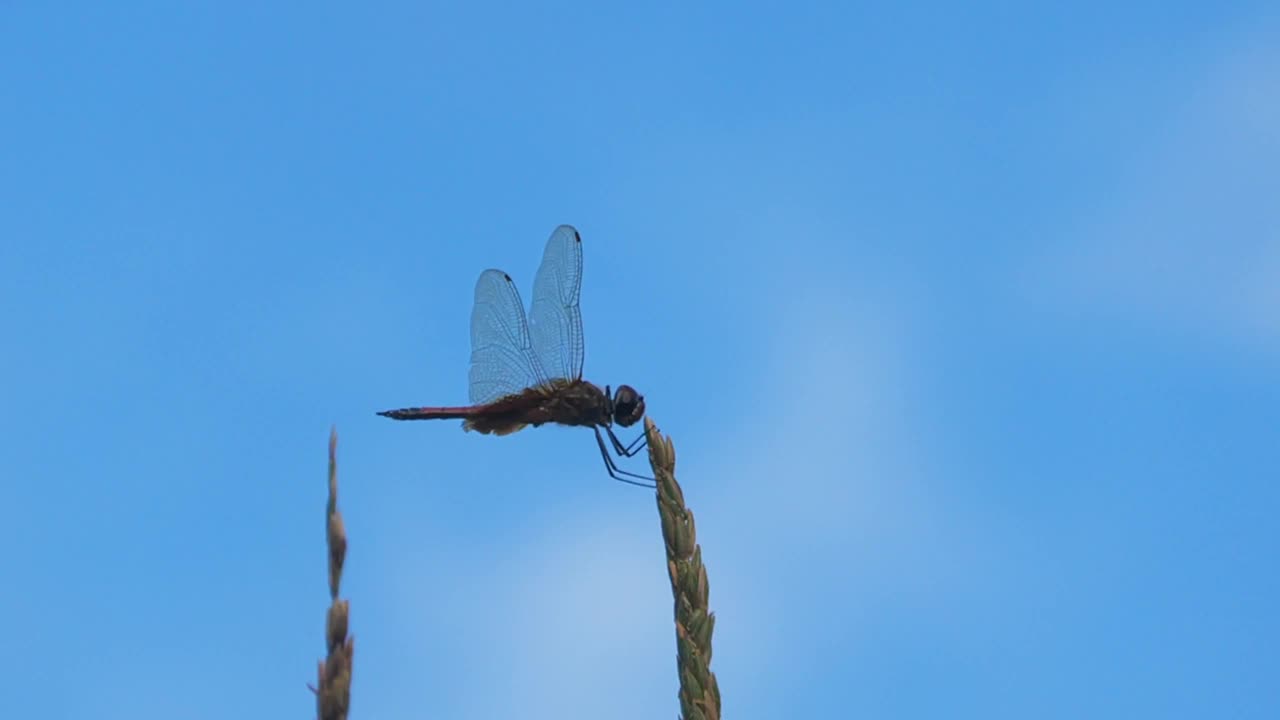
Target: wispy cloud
x=1190, y=244
x=826, y=515
x=578, y=616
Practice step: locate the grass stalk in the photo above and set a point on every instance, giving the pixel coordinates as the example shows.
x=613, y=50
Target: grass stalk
x=333, y=692
x=699, y=692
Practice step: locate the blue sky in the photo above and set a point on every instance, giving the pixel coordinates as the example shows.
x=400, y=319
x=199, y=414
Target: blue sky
x=965, y=322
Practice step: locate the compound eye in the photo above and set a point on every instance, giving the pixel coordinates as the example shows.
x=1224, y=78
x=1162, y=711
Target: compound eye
x=628, y=406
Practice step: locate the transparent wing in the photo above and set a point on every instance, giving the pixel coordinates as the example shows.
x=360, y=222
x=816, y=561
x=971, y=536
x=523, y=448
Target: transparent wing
x=502, y=361
x=555, y=321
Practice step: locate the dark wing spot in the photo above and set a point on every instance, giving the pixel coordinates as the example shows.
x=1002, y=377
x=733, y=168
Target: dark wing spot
x=576, y=236
x=506, y=277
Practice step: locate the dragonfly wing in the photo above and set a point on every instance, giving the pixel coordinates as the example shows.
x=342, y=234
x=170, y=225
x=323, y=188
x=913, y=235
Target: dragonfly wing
x=502, y=361
x=555, y=320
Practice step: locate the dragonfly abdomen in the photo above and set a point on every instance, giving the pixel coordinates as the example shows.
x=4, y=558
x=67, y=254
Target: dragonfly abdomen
x=432, y=413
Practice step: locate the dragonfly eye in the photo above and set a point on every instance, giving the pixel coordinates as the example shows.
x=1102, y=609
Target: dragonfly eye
x=628, y=406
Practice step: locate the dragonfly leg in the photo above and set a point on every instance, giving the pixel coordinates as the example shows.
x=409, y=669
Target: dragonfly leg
x=626, y=450
x=614, y=471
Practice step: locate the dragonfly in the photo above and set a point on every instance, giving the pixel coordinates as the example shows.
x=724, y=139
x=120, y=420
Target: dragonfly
x=527, y=372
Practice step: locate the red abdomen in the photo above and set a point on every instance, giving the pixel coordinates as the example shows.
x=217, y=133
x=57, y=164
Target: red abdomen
x=497, y=418
x=434, y=413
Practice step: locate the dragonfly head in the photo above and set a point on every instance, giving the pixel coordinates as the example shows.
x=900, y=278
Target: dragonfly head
x=628, y=406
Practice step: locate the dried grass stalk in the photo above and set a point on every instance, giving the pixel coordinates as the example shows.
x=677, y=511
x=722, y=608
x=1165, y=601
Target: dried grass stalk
x=333, y=693
x=699, y=692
